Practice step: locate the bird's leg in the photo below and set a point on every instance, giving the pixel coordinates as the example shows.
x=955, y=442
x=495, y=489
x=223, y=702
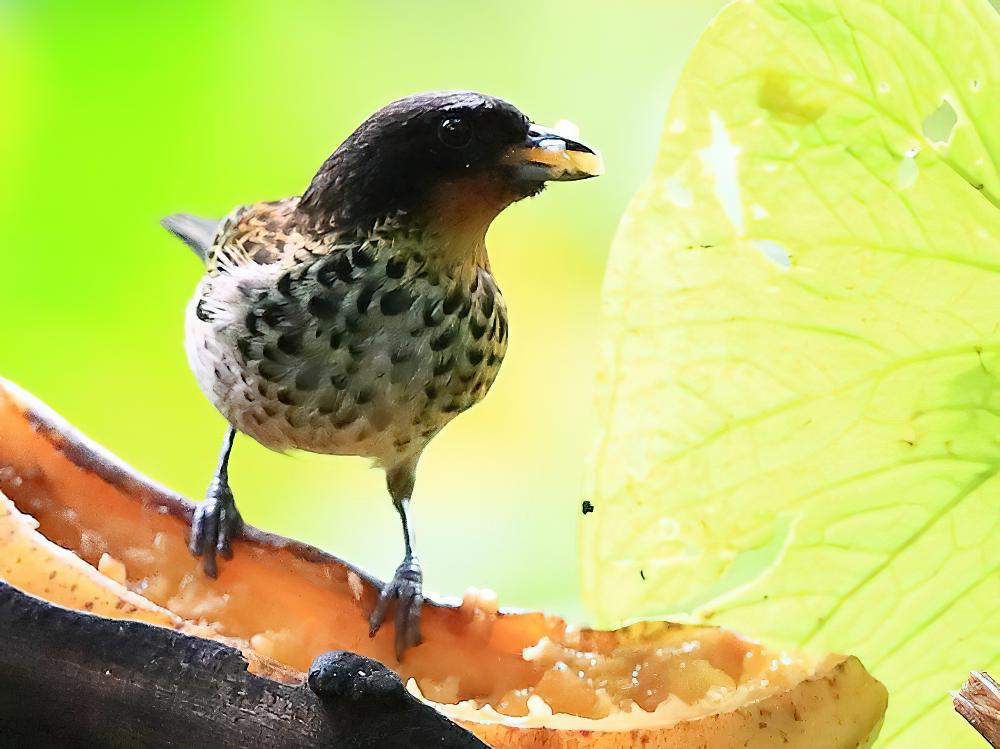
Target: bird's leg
x=406, y=586
x=216, y=520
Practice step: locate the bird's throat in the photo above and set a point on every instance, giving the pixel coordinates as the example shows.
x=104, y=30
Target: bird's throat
x=458, y=214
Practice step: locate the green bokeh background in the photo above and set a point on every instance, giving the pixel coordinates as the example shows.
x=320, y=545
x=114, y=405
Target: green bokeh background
x=114, y=114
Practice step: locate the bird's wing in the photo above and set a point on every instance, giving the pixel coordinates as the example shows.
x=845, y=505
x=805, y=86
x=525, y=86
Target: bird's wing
x=256, y=236
x=196, y=232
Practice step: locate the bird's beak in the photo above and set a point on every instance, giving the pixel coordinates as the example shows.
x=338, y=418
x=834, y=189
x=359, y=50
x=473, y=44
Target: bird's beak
x=546, y=155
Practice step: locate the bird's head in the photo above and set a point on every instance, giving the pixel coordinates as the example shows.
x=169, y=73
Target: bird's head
x=451, y=160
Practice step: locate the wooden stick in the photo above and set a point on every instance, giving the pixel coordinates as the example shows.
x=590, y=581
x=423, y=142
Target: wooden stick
x=73, y=679
x=978, y=702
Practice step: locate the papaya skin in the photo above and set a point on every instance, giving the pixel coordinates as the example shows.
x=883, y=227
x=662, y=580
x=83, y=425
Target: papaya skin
x=284, y=602
x=840, y=707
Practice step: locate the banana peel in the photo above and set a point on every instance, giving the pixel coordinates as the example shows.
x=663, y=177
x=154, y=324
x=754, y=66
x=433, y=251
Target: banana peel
x=84, y=531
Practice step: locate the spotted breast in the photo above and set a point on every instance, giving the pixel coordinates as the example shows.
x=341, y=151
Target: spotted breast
x=364, y=345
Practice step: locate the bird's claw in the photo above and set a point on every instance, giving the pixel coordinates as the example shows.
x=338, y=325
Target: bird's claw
x=216, y=522
x=406, y=588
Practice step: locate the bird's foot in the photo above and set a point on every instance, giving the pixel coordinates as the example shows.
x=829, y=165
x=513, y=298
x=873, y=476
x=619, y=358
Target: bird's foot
x=406, y=588
x=216, y=522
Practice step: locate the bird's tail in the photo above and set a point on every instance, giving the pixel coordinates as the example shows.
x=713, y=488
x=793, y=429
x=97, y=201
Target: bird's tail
x=196, y=232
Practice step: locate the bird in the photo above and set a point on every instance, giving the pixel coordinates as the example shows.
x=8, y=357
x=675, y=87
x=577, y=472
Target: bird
x=360, y=317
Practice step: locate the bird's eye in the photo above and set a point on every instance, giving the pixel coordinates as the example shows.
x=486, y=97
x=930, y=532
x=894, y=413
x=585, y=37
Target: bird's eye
x=455, y=132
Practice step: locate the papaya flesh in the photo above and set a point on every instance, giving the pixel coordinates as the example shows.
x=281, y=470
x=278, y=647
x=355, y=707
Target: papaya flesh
x=82, y=530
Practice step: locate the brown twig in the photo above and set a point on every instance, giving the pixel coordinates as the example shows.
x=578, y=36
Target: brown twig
x=978, y=702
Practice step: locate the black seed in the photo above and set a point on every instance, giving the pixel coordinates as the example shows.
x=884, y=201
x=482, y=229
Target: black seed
x=492, y=360
x=428, y=433
x=587, y=506
x=475, y=356
x=395, y=267
x=475, y=284
x=466, y=306
x=327, y=406
x=202, y=313
x=322, y=307
x=365, y=395
x=395, y=301
x=336, y=338
x=453, y=300
x=477, y=328
x=431, y=392
x=432, y=316
x=465, y=378
x=366, y=294
x=287, y=396
x=291, y=343
x=399, y=444
x=444, y=366
x=285, y=285
x=339, y=381
x=362, y=258
x=356, y=348
x=503, y=327
x=443, y=339
x=452, y=407
x=245, y=345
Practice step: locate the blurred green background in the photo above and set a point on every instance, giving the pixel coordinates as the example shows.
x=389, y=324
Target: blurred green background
x=115, y=114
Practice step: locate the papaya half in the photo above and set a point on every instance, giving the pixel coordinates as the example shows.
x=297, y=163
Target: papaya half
x=84, y=531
